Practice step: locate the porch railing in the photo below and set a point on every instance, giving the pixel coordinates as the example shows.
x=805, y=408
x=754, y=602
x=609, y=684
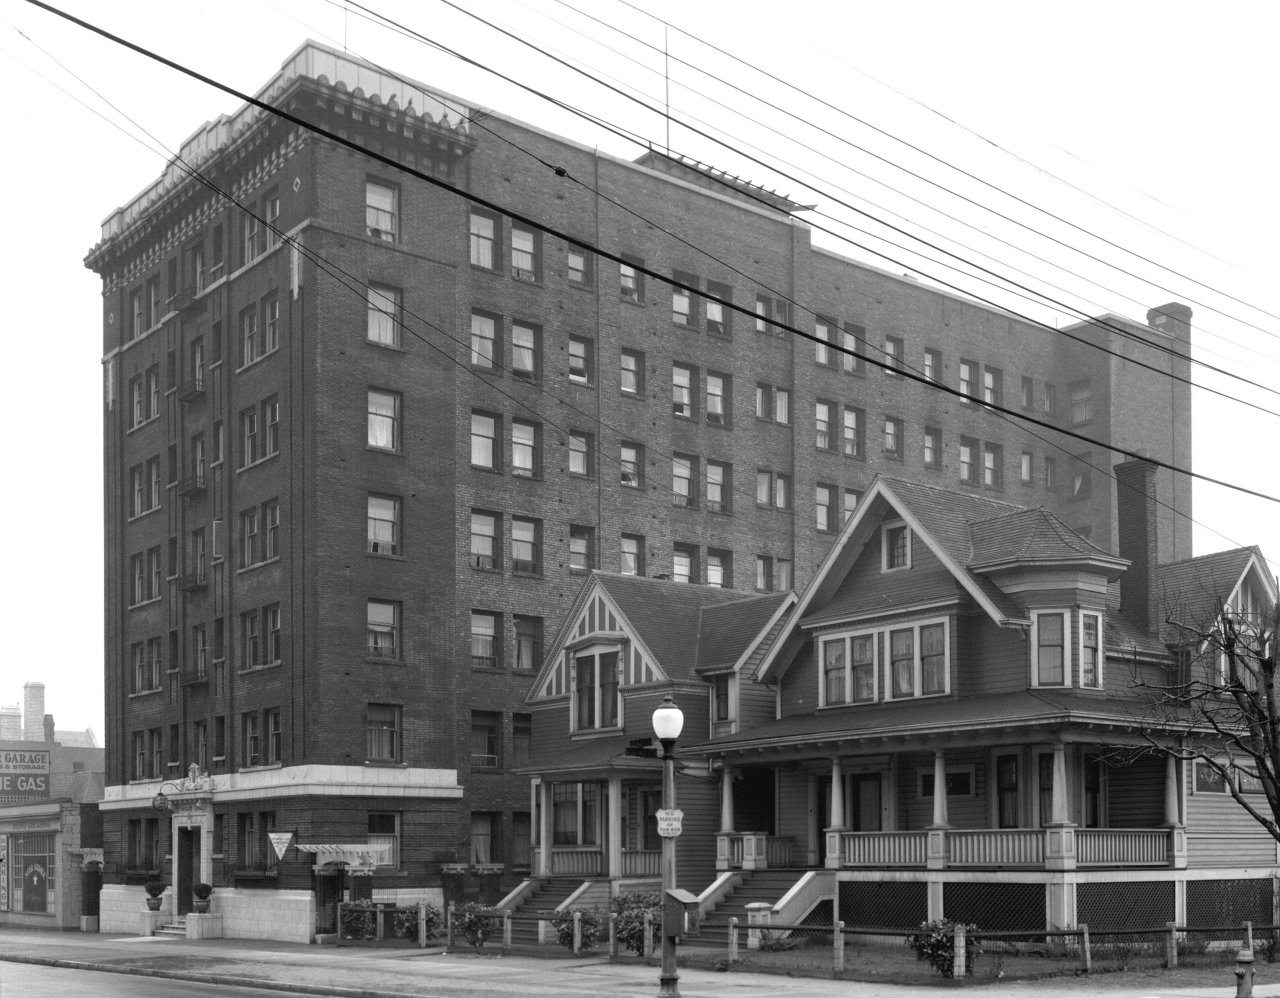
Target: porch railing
x=885, y=848
x=645, y=863
x=1122, y=846
x=996, y=846
x=754, y=850
x=779, y=850
x=566, y=862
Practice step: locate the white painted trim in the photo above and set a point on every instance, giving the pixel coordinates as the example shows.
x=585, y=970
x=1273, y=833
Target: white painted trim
x=885, y=527
x=1068, y=670
x=1100, y=655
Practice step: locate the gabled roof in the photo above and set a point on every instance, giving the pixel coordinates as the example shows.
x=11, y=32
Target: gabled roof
x=676, y=628
x=1192, y=592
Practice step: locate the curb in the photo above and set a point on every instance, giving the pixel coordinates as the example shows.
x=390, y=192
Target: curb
x=195, y=977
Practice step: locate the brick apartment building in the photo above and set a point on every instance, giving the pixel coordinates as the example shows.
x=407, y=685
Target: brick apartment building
x=508, y=411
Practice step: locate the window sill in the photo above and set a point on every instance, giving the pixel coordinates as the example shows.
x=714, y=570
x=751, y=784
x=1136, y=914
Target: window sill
x=260, y=461
x=393, y=347
x=380, y=660
x=385, y=764
x=260, y=767
x=145, y=602
x=143, y=515
x=584, y=733
x=490, y=569
x=385, y=556
x=257, y=360
x=391, y=451
x=262, y=667
x=146, y=422
x=144, y=693
x=258, y=564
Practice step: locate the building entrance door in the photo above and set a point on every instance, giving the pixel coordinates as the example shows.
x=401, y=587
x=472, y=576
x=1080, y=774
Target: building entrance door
x=188, y=868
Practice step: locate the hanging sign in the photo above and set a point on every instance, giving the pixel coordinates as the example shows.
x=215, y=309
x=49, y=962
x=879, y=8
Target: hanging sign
x=280, y=842
x=669, y=822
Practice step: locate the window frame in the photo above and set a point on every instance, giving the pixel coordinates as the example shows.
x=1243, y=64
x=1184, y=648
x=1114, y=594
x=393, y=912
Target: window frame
x=374, y=544
x=1034, y=644
x=604, y=717
x=889, y=548
x=394, y=420
x=495, y=544
x=378, y=315
x=479, y=241
x=526, y=260
x=638, y=555
x=374, y=648
x=394, y=732
x=374, y=213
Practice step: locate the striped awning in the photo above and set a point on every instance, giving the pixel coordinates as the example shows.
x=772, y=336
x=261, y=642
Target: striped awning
x=352, y=853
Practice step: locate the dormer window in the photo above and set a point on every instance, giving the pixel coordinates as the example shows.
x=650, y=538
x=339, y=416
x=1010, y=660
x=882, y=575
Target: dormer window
x=887, y=663
x=895, y=544
x=596, y=698
x=1066, y=649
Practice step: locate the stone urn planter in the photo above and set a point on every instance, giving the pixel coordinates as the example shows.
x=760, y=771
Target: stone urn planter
x=200, y=894
x=154, y=889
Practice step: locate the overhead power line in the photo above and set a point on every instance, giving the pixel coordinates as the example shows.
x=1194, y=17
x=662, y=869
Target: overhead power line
x=607, y=254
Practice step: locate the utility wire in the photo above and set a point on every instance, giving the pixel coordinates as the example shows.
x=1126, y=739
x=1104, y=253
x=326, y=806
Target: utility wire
x=607, y=254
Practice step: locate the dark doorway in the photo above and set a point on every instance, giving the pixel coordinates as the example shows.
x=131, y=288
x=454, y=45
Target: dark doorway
x=755, y=800
x=188, y=868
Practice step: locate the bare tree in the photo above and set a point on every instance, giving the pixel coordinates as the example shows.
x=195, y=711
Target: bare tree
x=1221, y=708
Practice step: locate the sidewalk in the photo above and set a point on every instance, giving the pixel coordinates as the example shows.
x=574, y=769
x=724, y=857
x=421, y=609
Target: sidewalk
x=430, y=973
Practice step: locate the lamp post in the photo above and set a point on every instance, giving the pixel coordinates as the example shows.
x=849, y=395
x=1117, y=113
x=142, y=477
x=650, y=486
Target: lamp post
x=668, y=720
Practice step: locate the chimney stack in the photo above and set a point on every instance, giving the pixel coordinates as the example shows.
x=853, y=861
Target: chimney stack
x=11, y=723
x=1136, y=525
x=33, y=712
x=48, y=728
x=1173, y=318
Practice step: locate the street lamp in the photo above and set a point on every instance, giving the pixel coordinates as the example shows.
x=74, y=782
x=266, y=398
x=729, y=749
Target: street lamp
x=668, y=720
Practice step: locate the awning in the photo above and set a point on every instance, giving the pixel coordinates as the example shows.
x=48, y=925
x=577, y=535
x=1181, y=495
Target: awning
x=361, y=854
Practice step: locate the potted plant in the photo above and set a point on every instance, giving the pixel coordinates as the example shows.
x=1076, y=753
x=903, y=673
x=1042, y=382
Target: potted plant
x=154, y=889
x=201, y=894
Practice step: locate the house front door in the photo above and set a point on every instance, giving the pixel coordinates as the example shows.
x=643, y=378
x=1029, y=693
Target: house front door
x=864, y=802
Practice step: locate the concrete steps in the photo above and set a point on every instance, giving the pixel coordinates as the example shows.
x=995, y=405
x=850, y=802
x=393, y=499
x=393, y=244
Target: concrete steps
x=177, y=928
x=765, y=886
x=550, y=895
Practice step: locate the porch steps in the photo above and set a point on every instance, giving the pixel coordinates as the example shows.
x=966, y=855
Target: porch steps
x=178, y=927
x=549, y=895
x=765, y=886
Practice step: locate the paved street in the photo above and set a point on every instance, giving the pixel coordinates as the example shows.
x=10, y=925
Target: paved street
x=85, y=964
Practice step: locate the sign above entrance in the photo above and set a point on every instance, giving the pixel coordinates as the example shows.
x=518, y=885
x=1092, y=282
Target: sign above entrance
x=670, y=821
x=25, y=773
x=280, y=842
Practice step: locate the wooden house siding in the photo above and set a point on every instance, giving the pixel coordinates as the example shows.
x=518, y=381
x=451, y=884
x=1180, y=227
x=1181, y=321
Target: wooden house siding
x=996, y=658
x=1221, y=833
x=699, y=798
x=793, y=807
x=868, y=590
x=756, y=703
x=800, y=683
x=916, y=812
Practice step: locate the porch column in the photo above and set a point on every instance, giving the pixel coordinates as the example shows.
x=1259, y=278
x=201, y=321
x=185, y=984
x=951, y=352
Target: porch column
x=544, y=830
x=835, y=829
x=613, y=834
x=936, y=858
x=1060, y=835
x=1172, y=815
x=724, y=839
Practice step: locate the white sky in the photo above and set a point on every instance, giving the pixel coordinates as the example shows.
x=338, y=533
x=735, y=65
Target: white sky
x=1162, y=113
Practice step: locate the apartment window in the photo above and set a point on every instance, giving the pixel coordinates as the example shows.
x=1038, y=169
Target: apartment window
x=719, y=487
x=1028, y=392
x=1050, y=399
x=764, y=306
x=250, y=539
x=382, y=732
x=383, y=314
x=485, y=629
x=380, y=210
x=822, y=425
x=893, y=437
x=525, y=447
x=1025, y=467
x=717, y=317
x=684, y=470
x=631, y=280
x=521, y=740
x=852, y=440
x=717, y=392
x=528, y=649
x=525, y=353
x=484, y=230
x=1090, y=658
x=764, y=573
x=383, y=627
x=579, y=265
x=252, y=242
x=822, y=503
x=1051, y=474
x=526, y=557
x=1081, y=393
x=682, y=299
x=851, y=339
x=850, y=503
x=763, y=400
x=719, y=568
x=682, y=379
x=483, y=331
x=773, y=489
x=684, y=563
x=822, y=344
x=581, y=447
x=932, y=447
x=992, y=386
x=200, y=651
x=138, y=314
x=384, y=420
x=582, y=544
x=484, y=544
x=782, y=574
x=631, y=463
x=384, y=525
x=893, y=355
x=580, y=360
x=631, y=373
x=631, y=555
x=250, y=739
x=966, y=379
x=781, y=405
x=895, y=546
x=968, y=460
x=993, y=466
x=933, y=364
x=1081, y=475
x=486, y=739
x=1049, y=647
x=596, y=690
x=525, y=256
x=271, y=628
x=384, y=830
x=251, y=344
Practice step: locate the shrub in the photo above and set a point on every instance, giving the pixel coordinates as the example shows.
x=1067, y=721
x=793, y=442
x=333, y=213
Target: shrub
x=593, y=919
x=936, y=943
x=202, y=891
x=404, y=922
x=154, y=888
x=630, y=909
x=476, y=923
x=358, y=920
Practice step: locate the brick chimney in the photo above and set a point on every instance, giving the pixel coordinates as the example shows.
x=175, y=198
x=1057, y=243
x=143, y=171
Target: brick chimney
x=11, y=723
x=48, y=728
x=33, y=712
x=1136, y=525
x=1173, y=318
